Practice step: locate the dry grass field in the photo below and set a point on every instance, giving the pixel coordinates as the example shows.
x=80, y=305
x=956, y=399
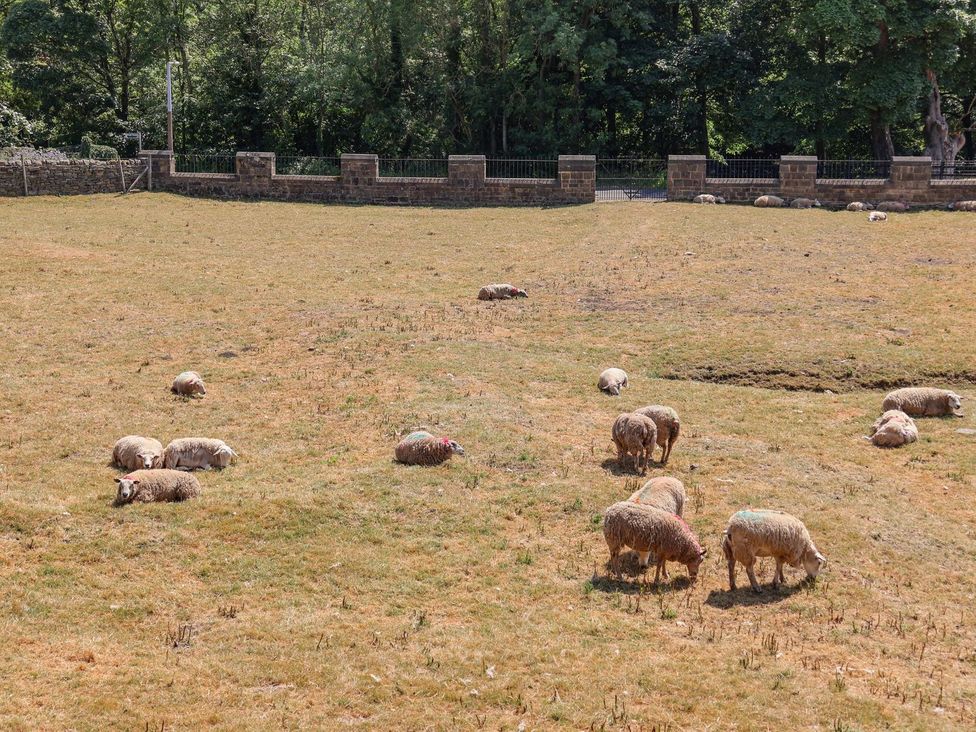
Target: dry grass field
x=318, y=585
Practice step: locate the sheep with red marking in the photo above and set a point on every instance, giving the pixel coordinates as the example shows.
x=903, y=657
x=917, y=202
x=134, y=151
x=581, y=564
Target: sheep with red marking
x=651, y=531
x=422, y=448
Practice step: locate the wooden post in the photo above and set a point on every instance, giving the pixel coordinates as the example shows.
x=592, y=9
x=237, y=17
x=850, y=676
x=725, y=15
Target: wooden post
x=122, y=175
x=23, y=168
x=149, y=180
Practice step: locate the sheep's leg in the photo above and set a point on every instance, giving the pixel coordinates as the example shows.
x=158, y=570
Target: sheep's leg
x=643, y=557
x=751, y=571
x=613, y=564
x=778, y=575
x=731, y=575
x=657, y=573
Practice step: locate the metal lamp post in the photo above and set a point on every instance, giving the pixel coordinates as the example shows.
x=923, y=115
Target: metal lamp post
x=169, y=103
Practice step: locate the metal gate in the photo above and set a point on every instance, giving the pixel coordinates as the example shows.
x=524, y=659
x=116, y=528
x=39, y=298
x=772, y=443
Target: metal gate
x=631, y=179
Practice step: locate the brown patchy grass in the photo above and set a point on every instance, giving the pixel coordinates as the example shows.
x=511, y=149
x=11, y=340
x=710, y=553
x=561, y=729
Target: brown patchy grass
x=318, y=585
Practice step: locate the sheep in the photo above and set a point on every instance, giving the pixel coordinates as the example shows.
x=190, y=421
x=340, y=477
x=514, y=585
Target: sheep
x=193, y=453
x=500, y=292
x=877, y=216
x=860, y=206
x=893, y=206
x=156, y=486
x=133, y=452
x=634, y=434
x=422, y=448
x=924, y=401
x=769, y=202
x=804, y=203
x=648, y=530
x=188, y=383
x=708, y=198
x=668, y=425
x=894, y=428
x=764, y=533
x=612, y=380
x=963, y=206
x=665, y=493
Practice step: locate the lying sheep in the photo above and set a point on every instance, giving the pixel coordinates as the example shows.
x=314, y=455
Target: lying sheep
x=762, y=533
x=877, y=216
x=500, y=292
x=648, y=530
x=859, y=206
x=188, y=383
x=804, y=203
x=634, y=434
x=197, y=453
x=924, y=401
x=422, y=448
x=612, y=381
x=708, y=198
x=668, y=425
x=963, y=206
x=769, y=202
x=133, y=452
x=893, y=206
x=894, y=428
x=665, y=493
x=156, y=486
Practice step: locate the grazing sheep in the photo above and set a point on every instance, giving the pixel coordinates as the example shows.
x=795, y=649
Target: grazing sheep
x=197, y=453
x=859, y=206
x=893, y=206
x=668, y=426
x=612, y=381
x=133, y=452
x=924, y=401
x=769, y=202
x=708, y=198
x=877, y=216
x=634, y=434
x=894, y=428
x=763, y=533
x=648, y=530
x=500, y=292
x=422, y=448
x=804, y=203
x=665, y=493
x=188, y=383
x=963, y=206
x=156, y=486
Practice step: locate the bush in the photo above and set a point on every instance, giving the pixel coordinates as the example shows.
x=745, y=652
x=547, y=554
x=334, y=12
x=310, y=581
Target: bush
x=15, y=128
x=91, y=151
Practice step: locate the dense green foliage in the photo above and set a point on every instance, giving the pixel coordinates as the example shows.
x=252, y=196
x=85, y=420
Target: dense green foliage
x=518, y=77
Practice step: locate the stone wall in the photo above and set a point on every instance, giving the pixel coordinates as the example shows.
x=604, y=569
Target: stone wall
x=359, y=181
x=910, y=180
x=69, y=177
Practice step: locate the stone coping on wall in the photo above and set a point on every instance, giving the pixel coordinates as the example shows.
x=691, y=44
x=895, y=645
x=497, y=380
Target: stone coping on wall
x=866, y=182
x=742, y=181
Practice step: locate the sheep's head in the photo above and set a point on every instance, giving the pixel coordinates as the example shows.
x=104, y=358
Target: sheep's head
x=719, y=199
x=955, y=403
x=128, y=488
x=813, y=561
x=516, y=292
x=197, y=387
x=696, y=563
x=223, y=454
x=456, y=448
x=816, y=203
x=150, y=460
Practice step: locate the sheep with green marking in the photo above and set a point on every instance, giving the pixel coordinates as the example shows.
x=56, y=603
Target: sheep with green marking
x=756, y=533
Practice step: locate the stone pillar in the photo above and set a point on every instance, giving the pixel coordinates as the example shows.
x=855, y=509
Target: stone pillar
x=163, y=164
x=577, y=176
x=686, y=177
x=798, y=176
x=358, y=170
x=466, y=171
x=910, y=176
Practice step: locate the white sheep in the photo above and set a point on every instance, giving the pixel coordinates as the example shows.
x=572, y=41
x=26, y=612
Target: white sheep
x=500, y=292
x=769, y=202
x=924, y=401
x=188, y=383
x=877, y=216
x=894, y=428
x=422, y=448
x=963, y=206
x=133, y=452
x=197, y=453
x=893, y=206
x=156, y=486
x=708, y=198
x=860, y=206
x=664, y=492
x=634, y=434
x=651, y=531
x=668, y=426
x=763, y=533
x=805, y=203
x=612, y=380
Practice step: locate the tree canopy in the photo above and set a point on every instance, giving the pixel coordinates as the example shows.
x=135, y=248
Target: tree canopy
x=839, y=78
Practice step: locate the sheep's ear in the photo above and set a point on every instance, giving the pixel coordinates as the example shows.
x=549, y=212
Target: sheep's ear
x=136, y=482
x=118, y=480
x=703, y=552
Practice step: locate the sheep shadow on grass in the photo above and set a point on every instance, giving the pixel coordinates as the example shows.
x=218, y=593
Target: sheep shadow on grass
x=744, y=596
x=619, y=470
x=635, y=580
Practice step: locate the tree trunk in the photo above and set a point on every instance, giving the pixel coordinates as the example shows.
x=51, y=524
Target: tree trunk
x=940, y=144
x=881, y=145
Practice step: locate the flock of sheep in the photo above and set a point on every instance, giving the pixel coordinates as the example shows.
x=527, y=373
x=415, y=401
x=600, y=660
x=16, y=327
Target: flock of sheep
x=877, y=213
x=650, y=521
